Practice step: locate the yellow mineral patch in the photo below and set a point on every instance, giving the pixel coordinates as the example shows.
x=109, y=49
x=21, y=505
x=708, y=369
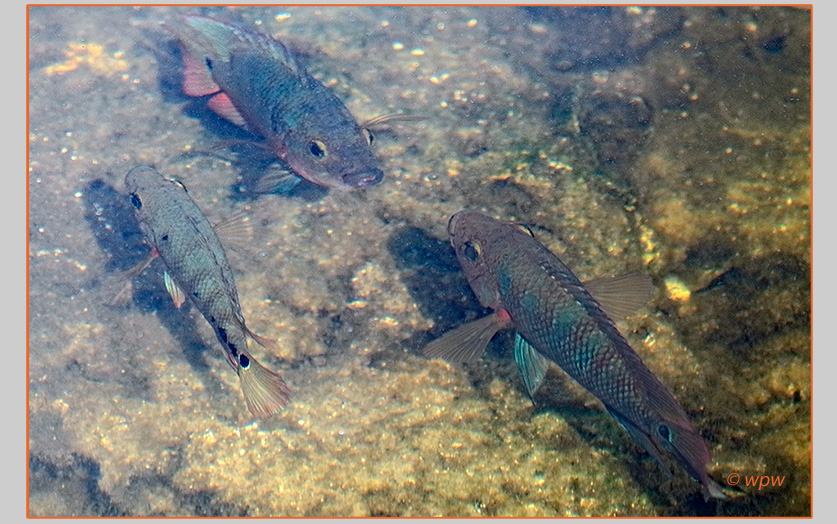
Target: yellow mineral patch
x=677, y=290
x=60, y=405
x=357, y=304
x=560, y=166
x=649, y=246
x=389, y=322
x=91, y=54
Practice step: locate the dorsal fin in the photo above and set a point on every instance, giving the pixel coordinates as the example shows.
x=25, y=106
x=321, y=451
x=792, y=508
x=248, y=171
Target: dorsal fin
x=224, y=39
x=620, y=296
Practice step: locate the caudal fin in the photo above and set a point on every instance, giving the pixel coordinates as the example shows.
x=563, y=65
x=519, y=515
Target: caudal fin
x=264, y=391
x=712, y=489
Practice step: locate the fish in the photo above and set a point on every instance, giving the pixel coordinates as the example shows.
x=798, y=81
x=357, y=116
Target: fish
x=257, y=83
x=196, y=267
x=559, y=319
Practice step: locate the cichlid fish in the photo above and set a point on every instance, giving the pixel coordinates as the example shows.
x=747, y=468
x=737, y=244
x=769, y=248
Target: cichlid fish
x=258, y=83
x=559, y=319
x=197, y=267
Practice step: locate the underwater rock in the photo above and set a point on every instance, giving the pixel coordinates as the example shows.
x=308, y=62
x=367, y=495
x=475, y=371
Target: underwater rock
x=617, y=125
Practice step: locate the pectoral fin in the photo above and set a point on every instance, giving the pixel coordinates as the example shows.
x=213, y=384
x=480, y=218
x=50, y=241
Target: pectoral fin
x=124, y=294
x=467, y=343
x=177, y=295
x=532, y=365
x=280, y=182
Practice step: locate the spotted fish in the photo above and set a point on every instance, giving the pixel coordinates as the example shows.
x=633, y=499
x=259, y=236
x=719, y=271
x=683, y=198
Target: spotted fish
x=197, y=268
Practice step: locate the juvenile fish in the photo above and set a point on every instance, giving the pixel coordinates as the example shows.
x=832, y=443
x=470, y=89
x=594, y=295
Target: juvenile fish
x=258, y=83
x=559, y=319
x=197, y=267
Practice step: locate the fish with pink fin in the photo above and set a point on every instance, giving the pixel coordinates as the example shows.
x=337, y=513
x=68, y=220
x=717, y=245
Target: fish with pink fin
x=255, y=82
x=562, y=320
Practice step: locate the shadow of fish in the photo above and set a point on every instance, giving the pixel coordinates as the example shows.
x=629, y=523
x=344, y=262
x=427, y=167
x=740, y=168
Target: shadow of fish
x=197, y=267
x=257, y=83
x=559, y=319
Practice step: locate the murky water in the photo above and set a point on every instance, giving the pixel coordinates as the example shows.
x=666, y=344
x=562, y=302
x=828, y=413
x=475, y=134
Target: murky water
x=674, y=141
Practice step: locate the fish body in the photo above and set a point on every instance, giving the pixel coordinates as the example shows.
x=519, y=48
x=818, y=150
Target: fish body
x=258, y=83
x=197, y=267
x=558, y=319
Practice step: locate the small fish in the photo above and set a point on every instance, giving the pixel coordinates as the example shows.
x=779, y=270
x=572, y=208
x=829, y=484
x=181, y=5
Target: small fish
x=257, y=83
x=559, y=319
x=197, y=267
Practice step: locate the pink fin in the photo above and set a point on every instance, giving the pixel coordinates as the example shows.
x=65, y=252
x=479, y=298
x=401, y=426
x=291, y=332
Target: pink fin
x=467, y=342
x=222, y=105
x=620, y=296
x=197, y=78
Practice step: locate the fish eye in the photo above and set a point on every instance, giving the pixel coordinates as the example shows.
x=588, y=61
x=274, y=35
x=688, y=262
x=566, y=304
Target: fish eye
x=525, y=229
x=135, y=200
x=317, y=148
x=370, y=137
x=664, y=432
x=472, y=251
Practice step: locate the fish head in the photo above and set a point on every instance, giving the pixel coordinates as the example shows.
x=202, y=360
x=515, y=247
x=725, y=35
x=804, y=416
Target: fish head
x=142, y=182
x=479, y=242
x=339, y=157
x=148, y=189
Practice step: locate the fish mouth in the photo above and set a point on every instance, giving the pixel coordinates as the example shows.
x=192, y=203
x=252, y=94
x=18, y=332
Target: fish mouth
x=363, y=178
